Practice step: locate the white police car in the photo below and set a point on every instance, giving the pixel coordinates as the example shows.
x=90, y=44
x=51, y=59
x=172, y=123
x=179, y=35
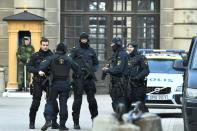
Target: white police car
x=164, y=84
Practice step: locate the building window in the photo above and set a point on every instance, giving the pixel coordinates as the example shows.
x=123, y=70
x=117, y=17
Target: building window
x=132, y=20
x=72, y=5
x=122, y=5
x=146, y=5
x=97, y=5
x=146, y=32
x=97, y=30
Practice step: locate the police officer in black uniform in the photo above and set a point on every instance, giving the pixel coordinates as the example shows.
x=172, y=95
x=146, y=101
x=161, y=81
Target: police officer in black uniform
x=118, y=71
x=86, y=57
x=137, y=71
x=60, y=65
x=38, y=85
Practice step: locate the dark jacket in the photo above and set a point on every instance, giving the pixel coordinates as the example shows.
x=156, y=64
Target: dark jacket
x=36, y=59
x=118, y=65
x=68, y=64
x=137, y=66
x=85, y=55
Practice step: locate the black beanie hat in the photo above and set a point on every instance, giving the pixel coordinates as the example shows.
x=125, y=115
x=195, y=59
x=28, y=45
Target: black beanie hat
x=61, y=47
x=117, y=41
x=84, y=35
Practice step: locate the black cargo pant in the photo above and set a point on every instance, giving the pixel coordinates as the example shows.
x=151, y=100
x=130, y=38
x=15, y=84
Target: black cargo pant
x=59, y=88
x=37, y=94
x=136, y=91
x=90, y=89
x=116, y=91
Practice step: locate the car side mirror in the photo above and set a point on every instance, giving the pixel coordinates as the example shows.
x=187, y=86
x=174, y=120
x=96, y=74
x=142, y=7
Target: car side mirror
x=185, y=60
x=178, y=65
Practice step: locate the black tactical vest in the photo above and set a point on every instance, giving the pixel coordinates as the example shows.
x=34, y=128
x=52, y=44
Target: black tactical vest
x=60, y=67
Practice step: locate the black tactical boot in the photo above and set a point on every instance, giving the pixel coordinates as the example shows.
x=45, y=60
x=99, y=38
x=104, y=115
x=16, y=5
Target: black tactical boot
x=77, y=126
x=55, y=125
x=46, y=125
x=31, y=125
x=63, y=128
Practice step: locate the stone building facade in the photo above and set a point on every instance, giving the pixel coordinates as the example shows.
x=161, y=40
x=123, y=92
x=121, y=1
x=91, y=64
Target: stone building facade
x=175, y=21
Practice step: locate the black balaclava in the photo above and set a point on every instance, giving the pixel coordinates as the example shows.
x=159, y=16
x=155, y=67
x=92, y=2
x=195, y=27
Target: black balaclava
x=115, y=47
x=84, y=35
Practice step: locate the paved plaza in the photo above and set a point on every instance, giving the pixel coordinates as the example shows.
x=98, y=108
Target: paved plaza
x=14, y=114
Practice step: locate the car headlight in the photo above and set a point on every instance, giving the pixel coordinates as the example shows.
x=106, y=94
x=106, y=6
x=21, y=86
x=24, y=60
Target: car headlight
x=179, y=89
x=190, y=92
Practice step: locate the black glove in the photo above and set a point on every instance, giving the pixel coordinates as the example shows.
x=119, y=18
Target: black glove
x=103, y=75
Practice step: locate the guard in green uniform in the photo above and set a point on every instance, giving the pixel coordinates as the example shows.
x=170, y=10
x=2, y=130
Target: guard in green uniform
x=23, y=54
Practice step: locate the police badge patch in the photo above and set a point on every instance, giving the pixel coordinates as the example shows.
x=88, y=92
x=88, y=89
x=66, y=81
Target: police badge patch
x=61, y=61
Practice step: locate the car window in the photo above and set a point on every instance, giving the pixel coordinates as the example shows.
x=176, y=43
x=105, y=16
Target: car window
x=194, y=60
x=161, y=66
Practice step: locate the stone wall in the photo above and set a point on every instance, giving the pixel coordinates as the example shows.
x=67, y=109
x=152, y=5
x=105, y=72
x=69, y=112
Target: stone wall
x=177, y=23
x=185, y=21
x=52, y=26
x=166, y=24
x=6, y=9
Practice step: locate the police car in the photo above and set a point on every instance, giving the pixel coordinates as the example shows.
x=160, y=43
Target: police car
x=164, y=83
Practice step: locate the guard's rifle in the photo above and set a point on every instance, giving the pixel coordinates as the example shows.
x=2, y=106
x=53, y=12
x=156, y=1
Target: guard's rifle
x=88, y=68
x=107, y=65
x=25, y=78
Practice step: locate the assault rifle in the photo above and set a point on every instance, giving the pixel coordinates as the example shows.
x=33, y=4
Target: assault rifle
x=88, y=68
